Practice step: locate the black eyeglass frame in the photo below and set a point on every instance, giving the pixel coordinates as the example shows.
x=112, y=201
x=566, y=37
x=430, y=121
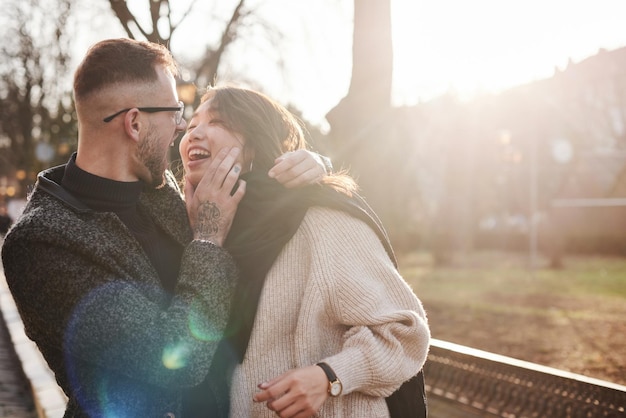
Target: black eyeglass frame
x=179, y=111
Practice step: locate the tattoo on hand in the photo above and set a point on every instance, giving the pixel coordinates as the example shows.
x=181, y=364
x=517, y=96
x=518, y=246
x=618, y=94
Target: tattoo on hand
x=208, y=219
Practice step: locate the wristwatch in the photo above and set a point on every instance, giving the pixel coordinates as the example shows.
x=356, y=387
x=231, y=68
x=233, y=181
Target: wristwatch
x=334, y=384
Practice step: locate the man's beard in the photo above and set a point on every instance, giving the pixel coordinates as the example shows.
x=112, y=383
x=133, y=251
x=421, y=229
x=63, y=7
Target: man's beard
x=151, y=157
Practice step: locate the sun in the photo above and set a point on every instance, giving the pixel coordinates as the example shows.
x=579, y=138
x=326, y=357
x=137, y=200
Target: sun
x=450, y=47
x=485, y=46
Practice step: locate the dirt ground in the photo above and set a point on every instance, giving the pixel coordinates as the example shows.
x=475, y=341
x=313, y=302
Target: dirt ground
x=583, y=334
x=590, y=345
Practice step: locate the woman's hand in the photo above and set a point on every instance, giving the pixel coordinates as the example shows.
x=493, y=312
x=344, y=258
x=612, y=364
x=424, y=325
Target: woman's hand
x=211, y=205
x=298, y=393
x=298, y=168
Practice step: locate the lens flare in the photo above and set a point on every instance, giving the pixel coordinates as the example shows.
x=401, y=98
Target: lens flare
x=200, y=325
x=175, y=356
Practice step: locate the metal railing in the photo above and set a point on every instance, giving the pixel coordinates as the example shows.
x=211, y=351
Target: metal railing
x=495, y=385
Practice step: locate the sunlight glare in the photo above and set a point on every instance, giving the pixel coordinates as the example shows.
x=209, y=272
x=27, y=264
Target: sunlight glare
x=466, y=48
x=444, y=46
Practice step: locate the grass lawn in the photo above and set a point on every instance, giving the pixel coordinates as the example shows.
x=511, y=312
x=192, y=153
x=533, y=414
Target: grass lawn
x=572, y=319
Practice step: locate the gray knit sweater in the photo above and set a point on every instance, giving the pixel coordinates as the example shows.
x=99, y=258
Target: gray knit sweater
x=92, y=302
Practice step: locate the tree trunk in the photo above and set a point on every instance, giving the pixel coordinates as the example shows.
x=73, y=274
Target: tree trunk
x=362, y=128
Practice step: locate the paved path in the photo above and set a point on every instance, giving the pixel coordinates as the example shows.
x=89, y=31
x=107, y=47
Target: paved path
x=16, y=396
x=16, y=399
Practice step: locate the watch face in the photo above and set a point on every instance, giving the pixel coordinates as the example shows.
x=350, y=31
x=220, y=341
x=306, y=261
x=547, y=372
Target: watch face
x=335, y=389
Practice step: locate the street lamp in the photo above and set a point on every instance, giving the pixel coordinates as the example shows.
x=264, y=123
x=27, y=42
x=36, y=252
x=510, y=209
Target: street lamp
x=186, y=92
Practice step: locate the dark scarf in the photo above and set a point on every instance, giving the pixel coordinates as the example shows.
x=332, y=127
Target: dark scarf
x=267, y=218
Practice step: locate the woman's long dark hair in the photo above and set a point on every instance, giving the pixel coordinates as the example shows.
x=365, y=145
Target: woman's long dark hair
x=268, y=128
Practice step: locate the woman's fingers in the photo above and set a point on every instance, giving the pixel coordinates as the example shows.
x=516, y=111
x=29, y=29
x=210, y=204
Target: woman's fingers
x=212, y=204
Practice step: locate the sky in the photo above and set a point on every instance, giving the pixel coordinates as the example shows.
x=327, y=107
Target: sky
x=488, y=45
x=460, y=46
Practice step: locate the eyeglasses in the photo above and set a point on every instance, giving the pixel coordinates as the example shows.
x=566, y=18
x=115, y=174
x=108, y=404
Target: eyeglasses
x=178, y=110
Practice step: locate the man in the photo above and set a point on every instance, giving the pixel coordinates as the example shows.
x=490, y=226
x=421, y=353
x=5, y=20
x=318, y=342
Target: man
x=124, y=287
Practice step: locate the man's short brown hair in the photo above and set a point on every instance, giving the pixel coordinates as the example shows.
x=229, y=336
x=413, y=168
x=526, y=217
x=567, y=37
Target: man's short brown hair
x=120, y=60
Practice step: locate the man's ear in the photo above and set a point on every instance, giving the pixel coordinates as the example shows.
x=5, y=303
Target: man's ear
x=133, y=124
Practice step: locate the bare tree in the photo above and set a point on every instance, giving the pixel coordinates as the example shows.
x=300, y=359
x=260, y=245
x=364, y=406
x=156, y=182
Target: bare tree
x=369, y=95
x=159, y=11
x=34, y=103
x=161, y=29
x=364, y=127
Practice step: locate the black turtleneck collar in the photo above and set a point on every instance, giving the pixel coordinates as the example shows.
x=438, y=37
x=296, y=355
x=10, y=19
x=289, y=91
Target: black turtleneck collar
x=122, y=198
x=100, y=193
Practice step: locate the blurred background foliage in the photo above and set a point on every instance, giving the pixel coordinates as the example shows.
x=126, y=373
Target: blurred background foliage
x=538, y=168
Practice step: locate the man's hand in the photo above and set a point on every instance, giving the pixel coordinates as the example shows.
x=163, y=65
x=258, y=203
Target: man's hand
x=210, y=205
x=298, y=168
x=298, y=393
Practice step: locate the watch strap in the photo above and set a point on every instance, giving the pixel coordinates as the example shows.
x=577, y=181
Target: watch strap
x=335, y=387
x=330, y=374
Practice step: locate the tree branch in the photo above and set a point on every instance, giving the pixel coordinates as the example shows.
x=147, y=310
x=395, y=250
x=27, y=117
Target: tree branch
x=125, y=16
x=208, y=66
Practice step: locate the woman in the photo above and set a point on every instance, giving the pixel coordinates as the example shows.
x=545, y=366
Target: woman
x=322, y=322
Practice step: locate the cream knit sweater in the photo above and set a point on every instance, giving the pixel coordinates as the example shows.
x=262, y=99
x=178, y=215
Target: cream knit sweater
x=334, y=295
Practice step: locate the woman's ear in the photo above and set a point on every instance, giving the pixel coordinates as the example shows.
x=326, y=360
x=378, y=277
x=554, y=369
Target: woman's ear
x=248, y=158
